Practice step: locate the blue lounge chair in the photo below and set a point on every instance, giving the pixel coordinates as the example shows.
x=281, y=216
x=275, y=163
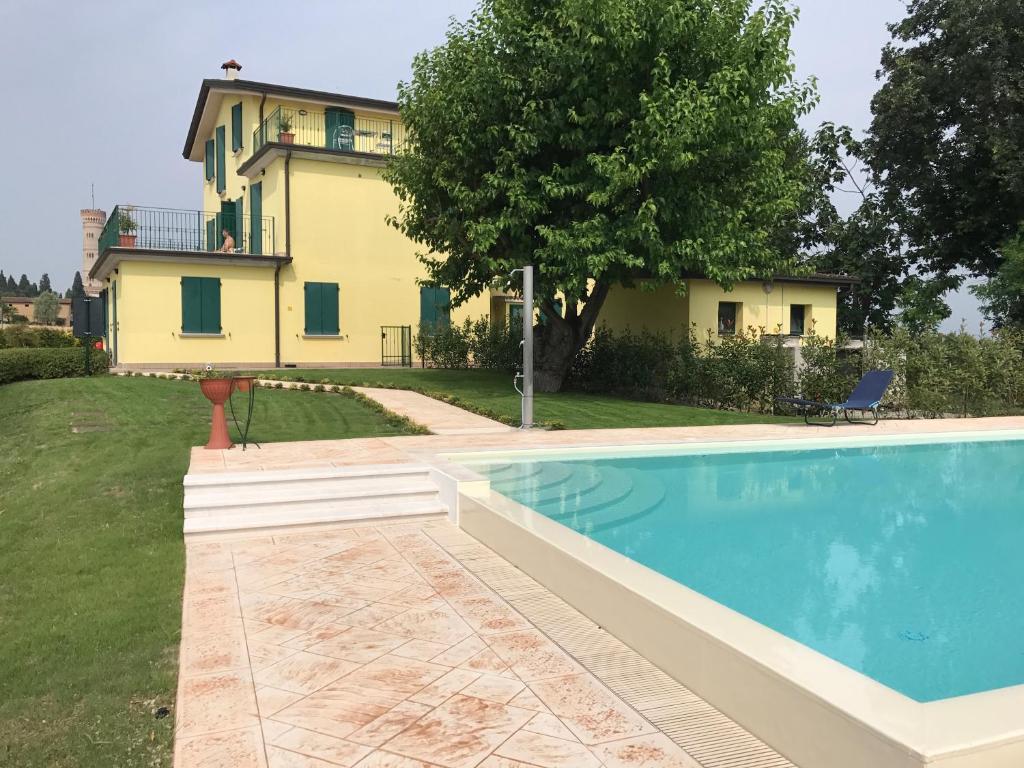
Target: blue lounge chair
x=865, y=397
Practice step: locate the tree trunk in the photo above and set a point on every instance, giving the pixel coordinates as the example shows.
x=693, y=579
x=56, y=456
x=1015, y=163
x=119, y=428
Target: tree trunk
x=557, y=342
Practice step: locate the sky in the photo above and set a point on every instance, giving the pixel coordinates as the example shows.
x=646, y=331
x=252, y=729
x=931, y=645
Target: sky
x=101, y=93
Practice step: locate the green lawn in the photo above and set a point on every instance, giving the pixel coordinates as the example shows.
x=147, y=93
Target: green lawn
x=91, y=556
x=491, y=393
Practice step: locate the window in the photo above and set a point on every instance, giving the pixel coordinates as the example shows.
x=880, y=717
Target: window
x=728, y=317
x=208, y=164
x=222, y=175
x=435, y=308
x=200, y=305
x=321, y=309
x=236, y=127
x=797, y=318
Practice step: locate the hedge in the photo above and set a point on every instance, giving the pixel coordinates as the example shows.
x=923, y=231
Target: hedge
x=18, y=336
x=35, y=363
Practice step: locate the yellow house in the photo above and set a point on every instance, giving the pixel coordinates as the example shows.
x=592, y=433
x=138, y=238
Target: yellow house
x=290, y=262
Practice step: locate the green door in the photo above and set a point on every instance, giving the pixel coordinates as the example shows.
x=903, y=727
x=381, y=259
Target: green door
x=228, y=221
x=340, y=129
x=256, y=218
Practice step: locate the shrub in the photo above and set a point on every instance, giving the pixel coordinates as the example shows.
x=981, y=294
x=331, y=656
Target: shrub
x=34, y=363
x=17, y=336
x=474, y=344
x=635, y=365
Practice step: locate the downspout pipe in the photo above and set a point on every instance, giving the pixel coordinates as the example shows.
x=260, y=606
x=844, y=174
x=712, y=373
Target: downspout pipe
x=287, y=252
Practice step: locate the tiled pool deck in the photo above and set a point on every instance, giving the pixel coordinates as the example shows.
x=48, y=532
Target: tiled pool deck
x=378, y=646
x=410, y=645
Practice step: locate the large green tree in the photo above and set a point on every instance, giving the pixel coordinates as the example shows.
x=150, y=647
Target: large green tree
x=602, y=141
x=948, y=130
x=867, y=243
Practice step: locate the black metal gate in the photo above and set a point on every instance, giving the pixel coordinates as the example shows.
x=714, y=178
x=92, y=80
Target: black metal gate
x=396, y=345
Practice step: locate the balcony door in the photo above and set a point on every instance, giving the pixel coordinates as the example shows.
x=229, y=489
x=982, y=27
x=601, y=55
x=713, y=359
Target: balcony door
x=340, y=129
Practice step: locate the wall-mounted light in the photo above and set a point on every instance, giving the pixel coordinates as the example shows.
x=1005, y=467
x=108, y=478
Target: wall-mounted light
x=303, y=112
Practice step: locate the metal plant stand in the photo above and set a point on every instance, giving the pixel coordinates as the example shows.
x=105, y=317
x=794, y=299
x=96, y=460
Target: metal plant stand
x=245, y=384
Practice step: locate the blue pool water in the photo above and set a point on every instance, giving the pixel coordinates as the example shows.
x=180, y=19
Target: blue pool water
x=903, y=562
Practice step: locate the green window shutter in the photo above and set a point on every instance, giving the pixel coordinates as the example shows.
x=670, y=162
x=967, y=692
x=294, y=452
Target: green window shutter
x=236, y=127
x=239, y=231
x=329, y=308
x=222, y=163
x=208, y=165
x=211, y=305
x=200, y=305
x=339, y=129
x=256, y=218
x=435, y=308
x=314, y=311
x=212, y=233
x=191, y=305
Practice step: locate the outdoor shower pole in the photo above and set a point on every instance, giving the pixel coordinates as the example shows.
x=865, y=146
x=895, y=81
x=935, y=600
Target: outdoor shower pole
x=527, y=347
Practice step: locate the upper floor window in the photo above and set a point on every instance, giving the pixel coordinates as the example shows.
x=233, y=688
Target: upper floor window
x=728, y=317
x=222, y=169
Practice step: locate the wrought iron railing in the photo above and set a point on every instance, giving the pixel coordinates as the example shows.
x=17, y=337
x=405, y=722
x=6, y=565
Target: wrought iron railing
x=167, y=229
x=338, y=130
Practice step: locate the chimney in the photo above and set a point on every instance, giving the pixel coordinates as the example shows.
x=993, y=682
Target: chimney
x=231, y=69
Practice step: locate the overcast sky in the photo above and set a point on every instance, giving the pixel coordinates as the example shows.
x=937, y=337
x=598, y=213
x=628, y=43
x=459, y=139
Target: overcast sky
x=102, y=92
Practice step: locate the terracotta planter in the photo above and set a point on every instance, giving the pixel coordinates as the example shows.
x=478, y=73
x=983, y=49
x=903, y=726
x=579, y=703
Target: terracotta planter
x=126, y=241
x=244, y=383
x=217, y=391
x=286, y=138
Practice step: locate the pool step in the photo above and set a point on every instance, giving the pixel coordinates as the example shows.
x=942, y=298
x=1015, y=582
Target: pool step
x=220, y=502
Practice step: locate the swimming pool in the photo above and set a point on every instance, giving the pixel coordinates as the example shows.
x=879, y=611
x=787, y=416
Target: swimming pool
x=902, y=562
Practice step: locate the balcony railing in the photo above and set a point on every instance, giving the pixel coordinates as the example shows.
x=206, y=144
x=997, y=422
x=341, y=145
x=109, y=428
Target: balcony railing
x=337, y=130
x=174, y=230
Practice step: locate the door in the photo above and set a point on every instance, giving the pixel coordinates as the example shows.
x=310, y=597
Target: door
x=229, y=220
x=396, y=346
x=340, y=129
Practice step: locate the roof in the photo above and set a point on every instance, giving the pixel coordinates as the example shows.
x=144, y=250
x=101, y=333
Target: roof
x=819, y=278
x=217, y=86
x=30, y=299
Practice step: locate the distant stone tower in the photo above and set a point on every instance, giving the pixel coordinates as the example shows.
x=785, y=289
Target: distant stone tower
x=93, y=220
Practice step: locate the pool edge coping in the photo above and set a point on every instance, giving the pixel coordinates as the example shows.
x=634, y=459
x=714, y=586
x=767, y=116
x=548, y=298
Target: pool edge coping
x=943, y=730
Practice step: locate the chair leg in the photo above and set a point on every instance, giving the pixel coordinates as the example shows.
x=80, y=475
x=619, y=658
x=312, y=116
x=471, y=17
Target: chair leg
x=823, y=423
x=865, y=422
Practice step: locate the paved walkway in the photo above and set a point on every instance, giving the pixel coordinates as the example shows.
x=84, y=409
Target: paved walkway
x=386, y=450
x=374, y=646
x=437, y=416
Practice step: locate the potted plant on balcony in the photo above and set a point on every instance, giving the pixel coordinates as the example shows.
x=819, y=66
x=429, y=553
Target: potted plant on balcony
x=217, y=387
x=284, y=130
x=126, y=229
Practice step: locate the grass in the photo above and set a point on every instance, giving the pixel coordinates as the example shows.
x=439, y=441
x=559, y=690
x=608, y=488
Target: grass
x=92, y=559
x=490, y=393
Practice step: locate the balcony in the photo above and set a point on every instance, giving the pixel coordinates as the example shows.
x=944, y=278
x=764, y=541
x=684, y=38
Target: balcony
x=337, y=130
x=167, y=235
x=167, y=229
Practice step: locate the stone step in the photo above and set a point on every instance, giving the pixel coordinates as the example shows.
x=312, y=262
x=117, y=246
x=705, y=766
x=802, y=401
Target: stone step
x=291, y=518
x=303, y=496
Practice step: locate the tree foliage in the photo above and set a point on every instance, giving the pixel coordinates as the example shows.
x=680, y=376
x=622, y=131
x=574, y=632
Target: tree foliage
x=948, y=133
x=602, y=141
x=1002, y=297
x=77, y=287
x=45, y=308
